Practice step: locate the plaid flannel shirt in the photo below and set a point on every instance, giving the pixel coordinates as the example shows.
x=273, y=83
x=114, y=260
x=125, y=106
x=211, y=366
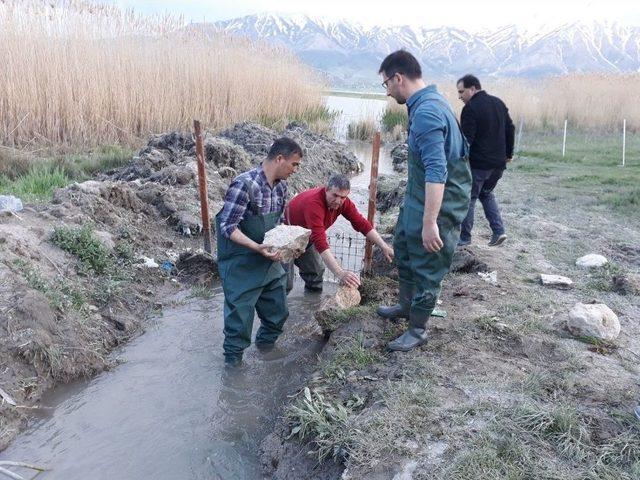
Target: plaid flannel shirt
x=236, y=200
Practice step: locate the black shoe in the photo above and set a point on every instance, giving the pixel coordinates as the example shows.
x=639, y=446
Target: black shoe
x=401, y=309
x=313, y=288
x=497, y=239
x=415, y=335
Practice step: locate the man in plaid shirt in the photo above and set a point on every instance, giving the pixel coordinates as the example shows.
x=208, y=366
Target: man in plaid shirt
x=252, y=276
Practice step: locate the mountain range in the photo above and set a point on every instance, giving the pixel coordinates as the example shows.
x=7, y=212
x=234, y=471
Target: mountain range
x=349, y=54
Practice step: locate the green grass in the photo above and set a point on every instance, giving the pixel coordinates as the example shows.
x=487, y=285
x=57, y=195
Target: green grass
x=35, y=179
x=83, y=244
x=37, y=184
x=392, y=117
x=325, y=420
x=319, y=119
x=591, y=167
x=350, y=355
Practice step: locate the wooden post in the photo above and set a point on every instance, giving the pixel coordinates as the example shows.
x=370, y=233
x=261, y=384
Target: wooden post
x=624, y=140
x=519, y=137
x=373, y=190
x=564, y=138
x=202, y=183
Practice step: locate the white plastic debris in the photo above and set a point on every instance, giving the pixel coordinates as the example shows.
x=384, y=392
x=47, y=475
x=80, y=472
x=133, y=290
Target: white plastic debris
x=149, y=262
x=9, y=203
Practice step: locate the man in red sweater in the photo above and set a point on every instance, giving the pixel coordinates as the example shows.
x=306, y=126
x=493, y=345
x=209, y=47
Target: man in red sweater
x=317, y=209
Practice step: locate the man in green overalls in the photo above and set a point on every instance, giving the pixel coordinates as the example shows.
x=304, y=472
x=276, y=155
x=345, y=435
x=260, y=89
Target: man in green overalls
x=436, y=200
x=252, y=276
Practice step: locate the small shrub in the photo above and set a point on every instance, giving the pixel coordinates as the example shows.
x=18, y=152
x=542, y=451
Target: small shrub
x=83, y=244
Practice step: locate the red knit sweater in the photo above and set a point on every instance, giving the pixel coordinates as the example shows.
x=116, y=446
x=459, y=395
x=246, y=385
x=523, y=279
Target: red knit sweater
x=309, y=209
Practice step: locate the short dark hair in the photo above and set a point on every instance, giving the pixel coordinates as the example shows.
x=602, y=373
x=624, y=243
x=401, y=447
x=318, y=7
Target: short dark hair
x=401, y=62
x=339, y=182
x=284, y=146
x=469, y=81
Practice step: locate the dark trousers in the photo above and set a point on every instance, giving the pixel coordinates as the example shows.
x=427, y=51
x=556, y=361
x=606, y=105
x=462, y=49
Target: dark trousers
x=484, y=181
x=311, y=268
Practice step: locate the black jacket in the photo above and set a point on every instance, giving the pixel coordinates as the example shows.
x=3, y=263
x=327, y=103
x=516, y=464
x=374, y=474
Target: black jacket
x=488, y=127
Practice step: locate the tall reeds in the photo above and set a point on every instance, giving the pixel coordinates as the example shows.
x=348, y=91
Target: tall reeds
x=588, y=101
x=74, y=74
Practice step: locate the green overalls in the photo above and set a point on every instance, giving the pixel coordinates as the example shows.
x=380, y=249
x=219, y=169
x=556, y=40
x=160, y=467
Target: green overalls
x=250, y=283
x=420, y=270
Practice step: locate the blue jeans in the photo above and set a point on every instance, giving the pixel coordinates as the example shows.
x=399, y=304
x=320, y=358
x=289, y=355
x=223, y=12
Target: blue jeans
x=484, y=181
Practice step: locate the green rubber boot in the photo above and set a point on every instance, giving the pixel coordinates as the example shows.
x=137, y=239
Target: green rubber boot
x=401, y=309
x=415, y=335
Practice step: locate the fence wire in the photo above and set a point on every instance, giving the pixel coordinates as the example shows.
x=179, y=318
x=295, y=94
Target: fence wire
x=349, y=252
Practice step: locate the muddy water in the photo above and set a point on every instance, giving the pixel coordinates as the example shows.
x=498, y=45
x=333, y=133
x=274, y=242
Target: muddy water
x=171, y=411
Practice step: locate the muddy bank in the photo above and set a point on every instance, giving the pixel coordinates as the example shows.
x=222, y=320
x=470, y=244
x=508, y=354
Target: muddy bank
x=501, y=390
x=80, y=274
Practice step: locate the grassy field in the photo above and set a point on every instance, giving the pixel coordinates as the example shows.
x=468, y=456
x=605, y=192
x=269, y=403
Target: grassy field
x=590, y=170
x=502, y=391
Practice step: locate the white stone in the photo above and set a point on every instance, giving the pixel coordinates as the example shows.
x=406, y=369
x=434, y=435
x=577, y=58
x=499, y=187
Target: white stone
x=558, y=280
x=591, y=261
x=290, y=240
x=491, y=277
x=347, y=297
x=593, y=320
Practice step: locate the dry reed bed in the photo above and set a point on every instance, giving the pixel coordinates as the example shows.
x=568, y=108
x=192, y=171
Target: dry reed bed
x=86, y=75
x=591, y=101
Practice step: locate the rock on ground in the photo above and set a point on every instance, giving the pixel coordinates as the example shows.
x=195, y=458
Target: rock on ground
x=290, y=240
x=593, y=320
x=347, y=297
x=591, y=261
x=556, y=280
x=344, y=298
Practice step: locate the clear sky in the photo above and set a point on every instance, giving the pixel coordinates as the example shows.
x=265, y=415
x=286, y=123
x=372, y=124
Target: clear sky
x=467, y=14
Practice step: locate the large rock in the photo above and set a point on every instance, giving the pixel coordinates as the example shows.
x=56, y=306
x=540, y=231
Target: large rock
x=592, y=260
x=290, y=240
x=593, y=320
x=327, y=316
x=555, y=280
x=347, y=297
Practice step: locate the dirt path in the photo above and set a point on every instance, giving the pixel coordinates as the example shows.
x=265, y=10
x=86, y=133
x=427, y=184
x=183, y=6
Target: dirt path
x=501, y=390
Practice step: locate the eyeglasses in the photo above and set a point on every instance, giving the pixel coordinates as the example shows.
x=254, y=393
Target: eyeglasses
x=386, y=82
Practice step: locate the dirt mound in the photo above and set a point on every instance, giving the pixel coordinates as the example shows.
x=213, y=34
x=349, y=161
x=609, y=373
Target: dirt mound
x=399, y=156
x=390, y=193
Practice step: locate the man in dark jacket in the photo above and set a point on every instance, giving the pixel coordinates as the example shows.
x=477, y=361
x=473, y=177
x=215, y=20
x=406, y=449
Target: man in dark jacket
x=489, y=130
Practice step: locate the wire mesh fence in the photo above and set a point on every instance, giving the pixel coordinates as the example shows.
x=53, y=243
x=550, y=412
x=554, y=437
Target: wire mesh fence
x=348, y=251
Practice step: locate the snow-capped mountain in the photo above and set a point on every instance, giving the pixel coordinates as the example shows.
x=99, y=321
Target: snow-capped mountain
x=350, y=54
